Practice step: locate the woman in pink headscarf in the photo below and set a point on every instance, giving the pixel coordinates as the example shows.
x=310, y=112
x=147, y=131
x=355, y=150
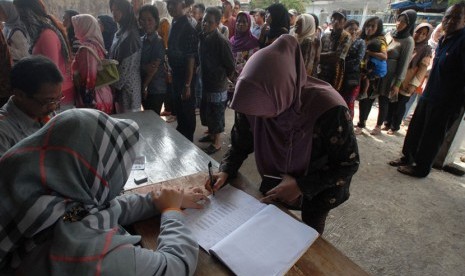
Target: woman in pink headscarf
x=243, y=45
x=300, y=129
x=85, y=64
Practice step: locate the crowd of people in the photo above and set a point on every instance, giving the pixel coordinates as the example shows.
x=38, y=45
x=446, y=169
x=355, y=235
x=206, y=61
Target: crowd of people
x=291, y=82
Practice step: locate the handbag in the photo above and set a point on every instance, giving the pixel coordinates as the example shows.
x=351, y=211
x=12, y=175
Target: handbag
x=107, y=70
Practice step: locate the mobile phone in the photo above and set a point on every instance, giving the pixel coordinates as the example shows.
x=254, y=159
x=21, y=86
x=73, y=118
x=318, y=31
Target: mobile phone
x=269, y=182
x=140, y=179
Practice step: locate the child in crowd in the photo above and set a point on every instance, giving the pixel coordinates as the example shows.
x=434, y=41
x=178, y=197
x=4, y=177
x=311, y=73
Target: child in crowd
x=373, y=68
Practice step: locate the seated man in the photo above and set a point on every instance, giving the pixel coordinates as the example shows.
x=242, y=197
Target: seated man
x=36, y=89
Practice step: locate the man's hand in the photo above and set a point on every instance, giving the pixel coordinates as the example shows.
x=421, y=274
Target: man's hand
x=186, y=95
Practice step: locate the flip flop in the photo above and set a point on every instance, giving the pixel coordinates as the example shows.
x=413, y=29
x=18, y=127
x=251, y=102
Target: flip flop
x=398, y=162
x=211, y=149
x=412, y=171
x=205, y=139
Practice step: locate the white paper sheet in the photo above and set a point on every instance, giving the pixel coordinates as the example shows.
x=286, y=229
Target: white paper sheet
x=225, y=212
x=267, y=244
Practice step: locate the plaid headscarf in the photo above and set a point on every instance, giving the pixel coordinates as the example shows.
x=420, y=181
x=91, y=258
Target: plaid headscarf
x=74, y=167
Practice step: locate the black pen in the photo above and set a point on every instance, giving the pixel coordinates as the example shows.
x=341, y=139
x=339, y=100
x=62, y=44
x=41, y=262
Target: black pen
x=211, y=176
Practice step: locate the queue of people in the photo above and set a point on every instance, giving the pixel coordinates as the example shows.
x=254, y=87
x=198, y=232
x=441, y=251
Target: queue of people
x=296, y=117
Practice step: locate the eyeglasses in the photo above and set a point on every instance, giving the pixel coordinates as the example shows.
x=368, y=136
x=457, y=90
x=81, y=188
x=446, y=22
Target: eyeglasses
x=49, y=103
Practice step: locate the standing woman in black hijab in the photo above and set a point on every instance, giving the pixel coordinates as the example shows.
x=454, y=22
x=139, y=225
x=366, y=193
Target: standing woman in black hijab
x=400, y=49
x=276, y=23
x=108, y=27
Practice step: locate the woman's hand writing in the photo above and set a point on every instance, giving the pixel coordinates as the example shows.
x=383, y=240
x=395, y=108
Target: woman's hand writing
x=219, y=181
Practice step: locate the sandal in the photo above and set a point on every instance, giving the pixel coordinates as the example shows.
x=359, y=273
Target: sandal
x=399, y=162
x=376, y=131
x=358, y=130
x=411, y=171
x=211, y=149
x=206, y=139
x=171, y=119
x=386, y=127
x=391, y=132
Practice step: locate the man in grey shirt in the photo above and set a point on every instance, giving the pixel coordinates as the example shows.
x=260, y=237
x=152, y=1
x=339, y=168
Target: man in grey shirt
x=36, y=88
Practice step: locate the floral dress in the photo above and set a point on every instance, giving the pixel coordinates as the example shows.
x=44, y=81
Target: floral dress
x=240, y=59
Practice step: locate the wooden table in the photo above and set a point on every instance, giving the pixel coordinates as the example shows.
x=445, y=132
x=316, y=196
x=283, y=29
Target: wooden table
x=161, y=144
x=168, y=154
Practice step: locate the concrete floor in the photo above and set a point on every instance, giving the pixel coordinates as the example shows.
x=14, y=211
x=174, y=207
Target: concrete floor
x=392, y=224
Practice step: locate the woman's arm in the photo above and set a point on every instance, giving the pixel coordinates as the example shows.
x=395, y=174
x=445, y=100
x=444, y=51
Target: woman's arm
x=421, y=72
x=361, y=51
x=317, y=45
x=149, y=70
x=335, y=157
x=406, y=52
x=308, y=54
x=241, y=146
x=136, y=207
x=177, y=250
x=381, y=55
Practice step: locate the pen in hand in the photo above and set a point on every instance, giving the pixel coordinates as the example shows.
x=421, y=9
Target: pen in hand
x=211, y=176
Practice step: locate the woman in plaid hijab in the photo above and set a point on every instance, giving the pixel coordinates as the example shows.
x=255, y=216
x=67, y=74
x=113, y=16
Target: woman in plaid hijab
x=61, y=212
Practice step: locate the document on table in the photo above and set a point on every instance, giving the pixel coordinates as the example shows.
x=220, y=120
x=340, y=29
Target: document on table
x=249, y=236
x=225, y=212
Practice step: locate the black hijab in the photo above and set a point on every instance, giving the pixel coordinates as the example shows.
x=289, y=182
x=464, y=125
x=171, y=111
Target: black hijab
x=127, y=40
x=109, y=30
x=411, y=17
x=280, y=23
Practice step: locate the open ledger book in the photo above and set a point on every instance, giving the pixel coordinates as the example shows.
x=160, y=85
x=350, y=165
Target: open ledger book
x=249, y=237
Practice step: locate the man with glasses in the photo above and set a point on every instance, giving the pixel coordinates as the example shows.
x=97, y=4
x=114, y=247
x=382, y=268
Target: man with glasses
x=36, y=85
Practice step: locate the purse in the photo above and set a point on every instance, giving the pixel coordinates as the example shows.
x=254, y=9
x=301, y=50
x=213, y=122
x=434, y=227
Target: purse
x=107, y=70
